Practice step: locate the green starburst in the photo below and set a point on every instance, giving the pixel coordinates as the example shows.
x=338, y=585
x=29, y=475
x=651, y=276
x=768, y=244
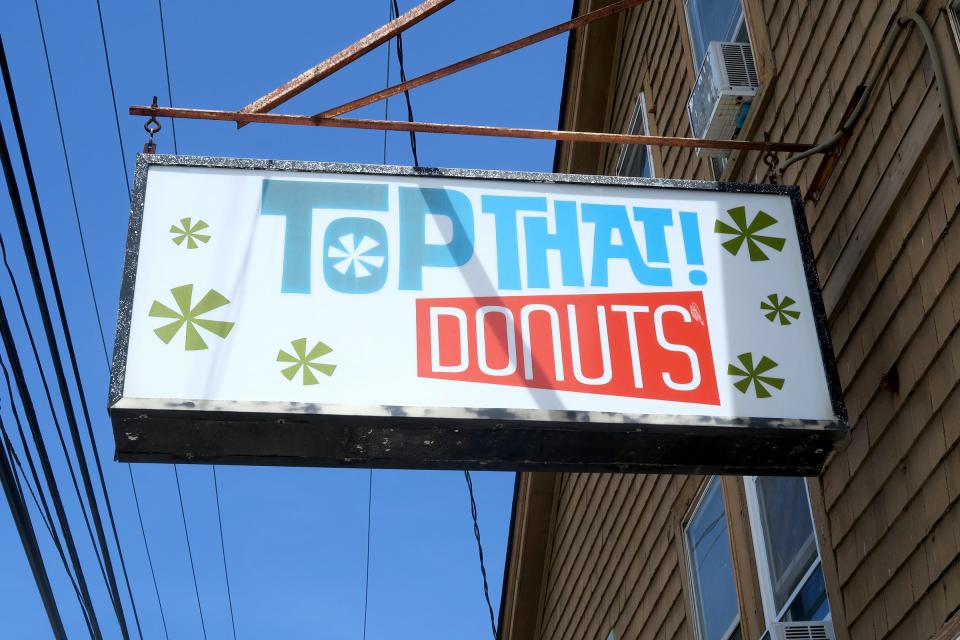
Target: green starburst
x=779, y=308
x=753, y=374
x=301, y=359
x=190, y=317
x=190, y=232
x=747, y=232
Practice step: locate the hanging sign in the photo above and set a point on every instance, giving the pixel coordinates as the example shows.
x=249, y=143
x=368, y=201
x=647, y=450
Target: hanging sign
x=344, y=315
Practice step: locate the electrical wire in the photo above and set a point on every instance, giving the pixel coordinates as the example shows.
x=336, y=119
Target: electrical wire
x=406, y=94
x=113, y=94
x=366, y=576
x=73, y=191
x=19, y=378
x=166, y=66
x=45, y=508
x=193, y=568
x=183, y=514
x=223, y=550
x=126, y=178
x=473, y=504
x=50, y=404
x=28, y=539
x=48, y=524
x=42, y=505
x=143, y=532
x=54, y=347
x=483, y=568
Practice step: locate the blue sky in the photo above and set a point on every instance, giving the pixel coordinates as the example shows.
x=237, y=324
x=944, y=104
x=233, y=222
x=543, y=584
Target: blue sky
x=295, y=538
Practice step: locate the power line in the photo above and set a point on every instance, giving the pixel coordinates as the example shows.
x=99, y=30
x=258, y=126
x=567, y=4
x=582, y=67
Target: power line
x=113, y=94
x=73, y=191
x=166, y=66
x=193, y=568
x=483, y=568
x=366, y=578
x=28, y=539
x=406, y=94
x=50, y=404
x=466, y=474
x=23, y=390
x=42, y=505
x=126, y=177
x=183, y=514
x=143, y=532
x=54, y=347
x=223, y=550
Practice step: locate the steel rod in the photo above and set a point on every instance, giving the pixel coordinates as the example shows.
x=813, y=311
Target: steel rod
x=466, y=129
x=344, y=57
x=496, y=52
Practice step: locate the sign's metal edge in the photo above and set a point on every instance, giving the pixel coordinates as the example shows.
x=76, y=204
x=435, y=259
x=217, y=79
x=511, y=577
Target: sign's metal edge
x=827, y=353
x=307, y=166
x=318, y=412
x=128, y=280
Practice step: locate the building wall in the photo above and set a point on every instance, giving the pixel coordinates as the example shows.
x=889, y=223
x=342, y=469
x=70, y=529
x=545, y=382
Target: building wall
x=887, y=241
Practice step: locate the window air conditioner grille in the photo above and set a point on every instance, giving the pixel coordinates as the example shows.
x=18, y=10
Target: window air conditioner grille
x=739, y=64
x=806, y=633
x=802, y=631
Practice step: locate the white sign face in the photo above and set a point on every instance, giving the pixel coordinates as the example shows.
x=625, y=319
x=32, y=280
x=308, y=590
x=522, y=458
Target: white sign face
x=376, y=294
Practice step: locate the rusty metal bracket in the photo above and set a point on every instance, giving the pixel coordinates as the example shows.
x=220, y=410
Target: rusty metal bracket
x=473, y=61
x=152, y=126
x=466, y=129
x=344, y=57
x=831, y=158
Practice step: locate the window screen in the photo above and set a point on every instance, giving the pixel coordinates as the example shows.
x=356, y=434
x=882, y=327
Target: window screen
x=714, y=20
x=711, y=568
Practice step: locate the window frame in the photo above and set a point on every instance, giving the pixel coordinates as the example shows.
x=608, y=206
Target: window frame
x=640, y=116
x=767, y=596
x=691, y=580
x=953, y=8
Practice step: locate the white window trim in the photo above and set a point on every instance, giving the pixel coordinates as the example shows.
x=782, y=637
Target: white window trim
x=691, y=577
x=640, y=116
x=760, y=550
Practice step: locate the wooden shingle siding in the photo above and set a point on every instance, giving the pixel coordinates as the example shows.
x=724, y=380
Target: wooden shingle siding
x=887, y=241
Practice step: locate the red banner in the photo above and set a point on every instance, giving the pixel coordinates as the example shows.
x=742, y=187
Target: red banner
x=638, y=345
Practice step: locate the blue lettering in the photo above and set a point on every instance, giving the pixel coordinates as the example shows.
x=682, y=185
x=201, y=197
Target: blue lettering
x=296, y=200
x=504, y=210
x=415, y=205
x=655, y=222
x=566, y=240
x=606, y=218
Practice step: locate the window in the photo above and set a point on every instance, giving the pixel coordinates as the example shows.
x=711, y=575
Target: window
x=711, y=568
x=791, y=574
x=636, y=160
x=714, y=21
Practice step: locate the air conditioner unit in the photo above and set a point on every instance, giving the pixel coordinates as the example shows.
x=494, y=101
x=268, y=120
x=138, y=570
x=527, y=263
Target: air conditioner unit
x=721, y=96
x=800, y=631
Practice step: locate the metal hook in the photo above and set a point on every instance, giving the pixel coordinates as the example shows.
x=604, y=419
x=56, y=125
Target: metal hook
x=772, y=161
x=152, y=126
